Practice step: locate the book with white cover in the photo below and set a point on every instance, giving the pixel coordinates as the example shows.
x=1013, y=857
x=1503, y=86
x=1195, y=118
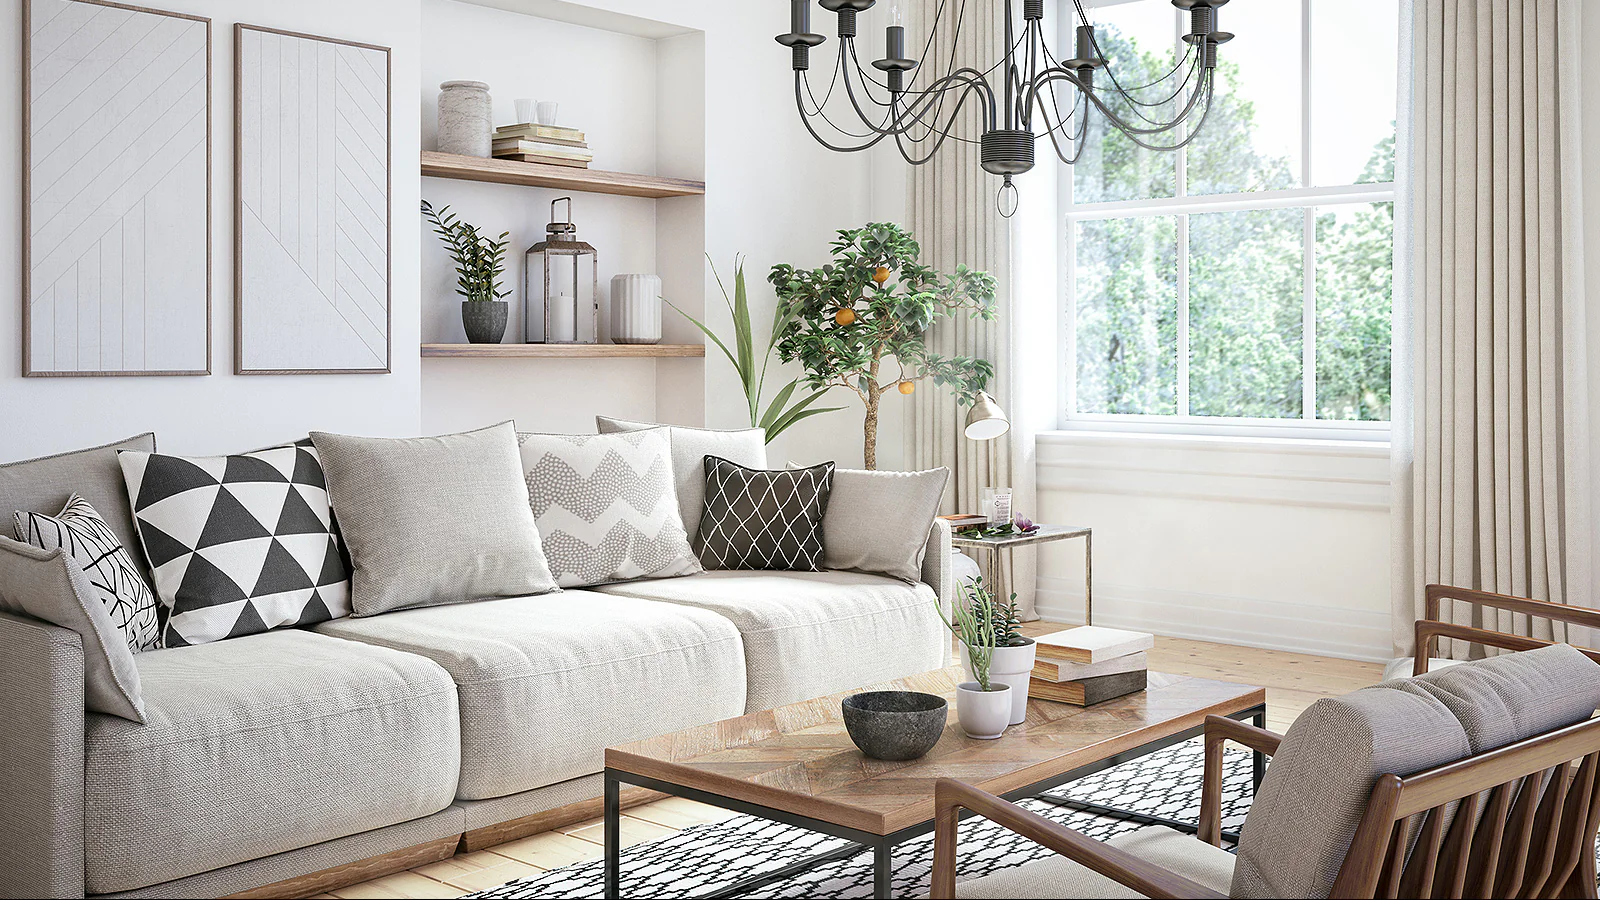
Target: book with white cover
x=1056, y=670
x=1092, y=644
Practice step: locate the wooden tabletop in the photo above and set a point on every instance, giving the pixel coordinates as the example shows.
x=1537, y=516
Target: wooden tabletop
x=1042, y=535
x=798, y=758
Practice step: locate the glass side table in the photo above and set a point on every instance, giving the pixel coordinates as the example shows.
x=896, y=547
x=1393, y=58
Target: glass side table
x=990, y=558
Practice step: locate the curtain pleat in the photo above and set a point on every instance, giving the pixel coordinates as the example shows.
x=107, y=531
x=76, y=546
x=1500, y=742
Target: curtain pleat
x=952, y=212
x=1496, y=449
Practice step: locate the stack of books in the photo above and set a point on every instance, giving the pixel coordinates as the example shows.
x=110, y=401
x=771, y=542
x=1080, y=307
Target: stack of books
x=1089, y=665
x=548, y=144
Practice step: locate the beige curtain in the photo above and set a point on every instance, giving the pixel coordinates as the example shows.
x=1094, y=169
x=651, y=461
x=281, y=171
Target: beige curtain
x=1490, y=435
x=952, y=211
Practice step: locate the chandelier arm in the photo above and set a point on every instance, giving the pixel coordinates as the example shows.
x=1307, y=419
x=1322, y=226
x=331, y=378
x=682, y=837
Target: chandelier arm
x=806, y=120
x=952, y=84
x=1056, y=130
x=1207, y=89
x=822, y=114
x=1134, y=106
x=984, y=96
x=817, y=106
x=1130, y=129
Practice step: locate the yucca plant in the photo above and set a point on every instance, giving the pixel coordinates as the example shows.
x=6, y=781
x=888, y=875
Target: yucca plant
x=779, y=414
x=480, y=261
x=973, y=619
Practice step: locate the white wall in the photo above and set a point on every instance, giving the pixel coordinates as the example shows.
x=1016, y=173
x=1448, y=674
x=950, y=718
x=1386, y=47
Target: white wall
x=222, y=412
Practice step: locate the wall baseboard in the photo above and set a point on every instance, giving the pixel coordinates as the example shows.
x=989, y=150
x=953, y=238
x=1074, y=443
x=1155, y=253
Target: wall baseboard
x=1249, y=622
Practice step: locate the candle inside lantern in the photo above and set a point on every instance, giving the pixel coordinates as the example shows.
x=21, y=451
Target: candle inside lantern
x=563, y=328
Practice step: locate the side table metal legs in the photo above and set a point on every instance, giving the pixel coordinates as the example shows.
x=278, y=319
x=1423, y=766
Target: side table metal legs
x=613, y=825
x=1088, y=579
x=997, y=574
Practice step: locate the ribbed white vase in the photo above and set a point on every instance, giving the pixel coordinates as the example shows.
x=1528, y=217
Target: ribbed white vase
x=636, y=309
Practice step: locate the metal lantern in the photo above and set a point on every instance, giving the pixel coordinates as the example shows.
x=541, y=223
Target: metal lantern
x=561, y=286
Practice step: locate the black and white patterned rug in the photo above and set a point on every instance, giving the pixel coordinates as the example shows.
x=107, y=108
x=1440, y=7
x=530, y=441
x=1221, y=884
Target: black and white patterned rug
x=707, y=858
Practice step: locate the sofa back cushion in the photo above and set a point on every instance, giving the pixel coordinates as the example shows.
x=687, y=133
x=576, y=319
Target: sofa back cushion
x=878, y=522
x=606, y=507
x=690, y=447
x=45, y=484
x=1504, y=699
x=434, y=520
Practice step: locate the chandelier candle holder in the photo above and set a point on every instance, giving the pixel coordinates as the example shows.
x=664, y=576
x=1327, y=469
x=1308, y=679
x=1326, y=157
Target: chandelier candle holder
x=561, y=286
x=1022, y=98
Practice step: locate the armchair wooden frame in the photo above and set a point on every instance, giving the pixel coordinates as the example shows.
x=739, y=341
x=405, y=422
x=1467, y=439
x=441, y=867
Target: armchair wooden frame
x=1517, y=821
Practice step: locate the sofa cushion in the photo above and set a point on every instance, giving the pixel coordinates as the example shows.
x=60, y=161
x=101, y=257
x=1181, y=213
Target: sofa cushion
x=1304, y=816
x=1504, y=699
x=260, y=745
x=45, y=484
x=690, y=447
x=548, y=682
x=1402, y=667
x=808, y=634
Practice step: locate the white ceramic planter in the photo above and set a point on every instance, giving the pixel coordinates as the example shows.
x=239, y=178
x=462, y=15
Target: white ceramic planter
x=636, y=309
x=983, y=714
x=1010, y=665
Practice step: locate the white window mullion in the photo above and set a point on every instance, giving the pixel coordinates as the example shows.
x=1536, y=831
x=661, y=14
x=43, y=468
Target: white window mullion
x=1183, y=315
x=1309, y=342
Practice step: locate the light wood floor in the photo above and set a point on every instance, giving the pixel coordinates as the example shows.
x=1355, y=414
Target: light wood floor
x=1293, y=681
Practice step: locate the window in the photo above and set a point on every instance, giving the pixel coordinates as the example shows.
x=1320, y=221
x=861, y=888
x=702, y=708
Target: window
x=1246, y=279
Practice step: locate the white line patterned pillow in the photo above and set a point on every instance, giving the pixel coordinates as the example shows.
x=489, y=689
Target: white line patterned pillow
x=88, y=541
x=606, y=506
x=763, y=519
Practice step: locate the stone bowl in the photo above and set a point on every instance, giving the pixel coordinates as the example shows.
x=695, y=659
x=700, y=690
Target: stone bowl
x=895, y=725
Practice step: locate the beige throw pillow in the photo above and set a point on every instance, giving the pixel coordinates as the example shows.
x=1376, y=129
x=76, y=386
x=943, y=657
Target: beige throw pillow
x=878, y=522
x=434, y=520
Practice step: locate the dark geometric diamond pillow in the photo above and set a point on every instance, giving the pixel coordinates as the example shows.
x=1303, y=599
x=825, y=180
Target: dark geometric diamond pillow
x=89, y=542
x=238, y=544
x=762, y=519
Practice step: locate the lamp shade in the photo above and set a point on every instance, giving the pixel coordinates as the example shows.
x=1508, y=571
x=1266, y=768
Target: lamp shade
x=986, y=420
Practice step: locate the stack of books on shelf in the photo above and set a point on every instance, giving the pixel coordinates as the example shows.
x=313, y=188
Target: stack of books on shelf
x=552, y=145
x=1089, y=665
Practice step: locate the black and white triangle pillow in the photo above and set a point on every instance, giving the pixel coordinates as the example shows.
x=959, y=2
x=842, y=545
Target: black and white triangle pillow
x=238, y=544
x=89, y=542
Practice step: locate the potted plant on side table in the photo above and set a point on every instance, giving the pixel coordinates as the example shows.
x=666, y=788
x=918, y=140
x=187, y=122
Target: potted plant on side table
x=983, y=705
x=480, y=261
x=1013, y=659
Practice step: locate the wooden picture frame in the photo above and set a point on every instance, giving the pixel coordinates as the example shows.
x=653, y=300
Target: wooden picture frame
x=304, y=302
x=131, y=77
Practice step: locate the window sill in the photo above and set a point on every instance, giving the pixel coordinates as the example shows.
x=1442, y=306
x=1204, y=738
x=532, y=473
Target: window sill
x=1352, y=443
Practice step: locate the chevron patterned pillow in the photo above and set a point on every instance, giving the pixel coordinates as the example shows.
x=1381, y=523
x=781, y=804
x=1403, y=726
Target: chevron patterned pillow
x=606, y=507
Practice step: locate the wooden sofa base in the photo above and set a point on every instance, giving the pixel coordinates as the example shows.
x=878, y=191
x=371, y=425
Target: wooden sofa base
x=441, y=849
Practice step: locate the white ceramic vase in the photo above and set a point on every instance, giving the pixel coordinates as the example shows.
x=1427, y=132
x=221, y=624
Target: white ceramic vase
x=1012, y=666
x=466, y=118
x=983, y=714
x=636, y=309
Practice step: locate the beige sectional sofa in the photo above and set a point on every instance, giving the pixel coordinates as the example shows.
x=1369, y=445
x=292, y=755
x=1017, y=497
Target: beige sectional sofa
x=270, y=757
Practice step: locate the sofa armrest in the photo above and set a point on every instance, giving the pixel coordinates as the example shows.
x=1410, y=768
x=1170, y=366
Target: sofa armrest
x=938, y=572
x=41, y=742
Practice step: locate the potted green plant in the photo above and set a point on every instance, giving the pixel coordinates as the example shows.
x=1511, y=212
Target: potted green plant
x=983, y=705
x=780, y=413
x=865, y=315
x=1014, y=653
x=480, y=261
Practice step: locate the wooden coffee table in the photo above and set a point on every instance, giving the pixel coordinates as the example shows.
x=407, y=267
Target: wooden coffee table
x=796, y=765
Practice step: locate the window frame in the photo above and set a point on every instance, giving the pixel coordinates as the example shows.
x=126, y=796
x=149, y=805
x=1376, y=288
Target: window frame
x=1180, y=206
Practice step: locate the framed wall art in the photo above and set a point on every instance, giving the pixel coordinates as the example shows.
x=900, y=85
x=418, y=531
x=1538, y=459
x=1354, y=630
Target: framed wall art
x=311, y=204
x=117, y=190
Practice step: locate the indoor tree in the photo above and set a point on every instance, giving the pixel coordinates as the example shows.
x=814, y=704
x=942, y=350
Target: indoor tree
x=865, y=314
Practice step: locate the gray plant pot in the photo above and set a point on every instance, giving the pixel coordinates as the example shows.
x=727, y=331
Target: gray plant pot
x=485, y=320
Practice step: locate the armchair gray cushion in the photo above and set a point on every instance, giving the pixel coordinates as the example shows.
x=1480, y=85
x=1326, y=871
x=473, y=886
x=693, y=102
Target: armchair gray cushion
x=45, y=484
x=1506, y=698
x=1057, y=876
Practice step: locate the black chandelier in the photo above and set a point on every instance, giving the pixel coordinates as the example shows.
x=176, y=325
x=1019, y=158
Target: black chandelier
x=1021, y=108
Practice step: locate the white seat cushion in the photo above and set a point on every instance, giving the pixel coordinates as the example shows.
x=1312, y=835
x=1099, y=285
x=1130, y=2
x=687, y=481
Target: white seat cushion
x=1058, y=876
x=548, y=682
x=259, y=745
x=809, y=634
x=1401, y=668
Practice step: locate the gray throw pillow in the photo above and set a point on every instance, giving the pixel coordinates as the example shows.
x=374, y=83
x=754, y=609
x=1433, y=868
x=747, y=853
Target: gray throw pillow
x=45, y=485
x=434, y=520
x=690, y=447
x=606, y=507
x=47, y=585
x=761, y=519
x=877, y=522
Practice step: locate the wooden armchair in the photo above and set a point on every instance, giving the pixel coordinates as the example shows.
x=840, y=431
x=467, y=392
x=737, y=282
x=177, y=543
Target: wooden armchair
x=1431, y=627
x=1517, y=820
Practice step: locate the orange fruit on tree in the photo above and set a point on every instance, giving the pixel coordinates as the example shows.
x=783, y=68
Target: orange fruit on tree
x=907, y=387
x=845, y=315
x=881, y=275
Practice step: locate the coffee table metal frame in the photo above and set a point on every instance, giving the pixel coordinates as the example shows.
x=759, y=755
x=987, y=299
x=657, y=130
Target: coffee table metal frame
x=883, y=845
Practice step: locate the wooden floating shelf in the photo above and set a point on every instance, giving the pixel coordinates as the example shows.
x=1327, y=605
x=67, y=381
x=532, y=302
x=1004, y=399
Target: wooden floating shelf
x=563, y=178
x=563, y=351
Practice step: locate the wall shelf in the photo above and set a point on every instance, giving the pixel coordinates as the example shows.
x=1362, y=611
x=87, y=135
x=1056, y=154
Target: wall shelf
x=510, y=171
x=563, y=351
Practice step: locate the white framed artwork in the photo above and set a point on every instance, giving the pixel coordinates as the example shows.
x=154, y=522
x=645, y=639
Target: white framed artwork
x=116, y=190
x=311, y=204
